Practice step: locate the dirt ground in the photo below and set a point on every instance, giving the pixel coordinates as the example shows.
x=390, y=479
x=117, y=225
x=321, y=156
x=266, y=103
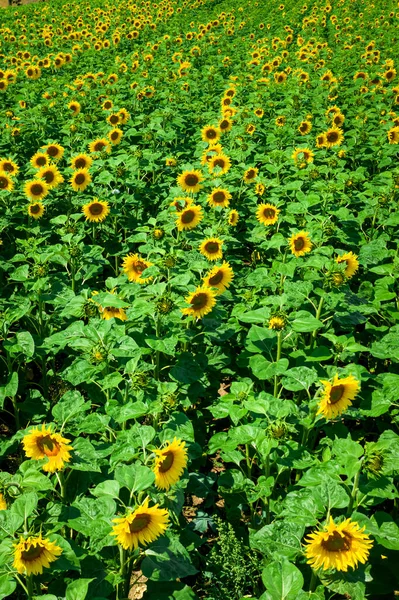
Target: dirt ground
x=4, y=3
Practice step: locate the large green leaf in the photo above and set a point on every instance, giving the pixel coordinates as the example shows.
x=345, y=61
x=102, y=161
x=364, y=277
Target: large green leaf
x=282, y=580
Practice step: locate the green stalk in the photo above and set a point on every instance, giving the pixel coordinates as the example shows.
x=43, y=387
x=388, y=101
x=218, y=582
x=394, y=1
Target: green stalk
x=29, y=586
x=354, y=492
x=267, y=500
x=61, y=481
x=318, y=314
x=122, y=571
x=157, y=352
x=313, y=582
x=16, y=412
x=278, y=356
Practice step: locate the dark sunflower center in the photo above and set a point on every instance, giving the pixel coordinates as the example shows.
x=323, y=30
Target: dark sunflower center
x=303, y=127
x=219, y=162
x=52, y=151
x=99, y=146
x=48, y=176
x=219, y=197
x=3, y=183
x=250, y=174
x=332, y=136
x=80, y=178
x=269, y=213
x=224, y=124
x=199, y=301
x=337, y=542
x=139, y=523
x=36, y=189
x=108, y=105
x=188, y=217
x=299, y=243
x=96, y=208
x=35, y=209
x=41, y=161
x=212, y=247
x=80, y=163
x=32, y=553
x=167, y=462
x=8, y=167
x=114, y=135
x=114, y=119
x=336, y=393
x=211, y=134
x=191, y=180
x=48, y=446
x=139, y=267
x=216, y=279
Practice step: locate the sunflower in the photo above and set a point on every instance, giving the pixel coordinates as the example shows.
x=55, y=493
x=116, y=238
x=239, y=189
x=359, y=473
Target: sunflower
x=51, y=176
x=260, y=189
x=220, y=162
x=142, y=526
x=80, y=180
x=111, y=312
x=181, y=203
x=280, y=121
x=44, y=444
x=233, y=218
x=201, y=302
x=267, y=214
x=190, y=181
x=107, y=104
x=115, y=136
x=352, y=264
x=36, y=189
x=74, y=107
x=124, y=116
x=300, y=243
x=99, y=145
x=210, y=134
x=259, y=112
x=40, y=159
x=36, y=210
x=170, y=463
x=219, y=277
x=134, y=265
x=8, y=166
x=54, y=151
x=277, y=323
x=113, y=119
x=96, y=211
x=321, y=140
x=303, y=154
x=305, y=127
x=334, y=137
x=338, y=119
x=6, y=183
x=338, y=396
x=170, y=161
x=81, y=161
x=34, y=553
x=219, y=197
x=189, y=217
x=211, y=248
x=393, y=135
x=250, y=174
x=250, y=129
x=225, y=124
x=338, y=546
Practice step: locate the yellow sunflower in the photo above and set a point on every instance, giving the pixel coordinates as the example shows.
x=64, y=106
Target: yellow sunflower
x=300, y=243
x=142, y=526
x=74, y=107
x=393, y=135
x=113, y=119
x=338, y=546
x=352, y=264
x=40, y=159
x=260, y=189
x=124, y=116
x=201, y=302
x=190, y=181
x=36, y=210
x=181, y=203
x=301, y=154
x=110, y=312
x=80, y=180
x=276, y=323
x=3, y=503
x=233, y=218
x=96, y=211
x=170, y=463
x=210, y=134
x=99, y=145
x=250, y=129
x=189, y=217
x=334, y=137
x=321, y=140
x=219, y=197
x=115, y=136
x=267, y=214
x=134, y=265
x=259, y=112
x=36, y=189
x=211, y=248
x=219, y=277
x=280, y=121
x=51, y=176
x=31, y=555
x=225, y=124
x=250, y=174
x=219, y=164
x=9, y=166
x=338, y=396
x=6, y=183
x=44, y=444
x=305, y=127
x=54, y=151
x=170, y=161
x=81, y=161
x=211, y=152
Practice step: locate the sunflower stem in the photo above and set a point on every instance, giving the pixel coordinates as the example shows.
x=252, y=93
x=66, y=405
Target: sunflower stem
x=16, y=411
x=354, y=492
x=61, y=481
x=318, y=314
x=278, y=356
x=124, y=585
x=313, y=582
x=157, y=352
x=29, y=586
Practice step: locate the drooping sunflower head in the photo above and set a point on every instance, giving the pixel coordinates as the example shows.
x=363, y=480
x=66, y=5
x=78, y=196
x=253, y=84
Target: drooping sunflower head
x=124, y=116
x=267, y=214
x=51, y=176
x=9, y=167
x=40, y=159
x=201, y=302
x=133, y=265
x=170, y=161
x=210, y=153
x=142, y=526
x=80, y=180
x=338, y=396
x=81, y=161
x=170, y=463
x=352, y=264
x=54, y=151
x=211, y=248
x=219, y=197
x=31, y=555
x=36, y=210
x=190, y=181
x=219, y=277
x=189, y=217
x=6, y=183
x=250, y=174
x=338, y=546
x=96, y=211
x=210, y=134
x=233, y=218
x=36, y=189
x=300, y=243
x=52, y=447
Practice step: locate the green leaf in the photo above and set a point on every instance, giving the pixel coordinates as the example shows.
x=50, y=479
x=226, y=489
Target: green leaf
x=20, y=274
x=107, y=488
x=167, y=560
x=264, y=369
x=305, y=322
x=81, y=371
x=25, y=340
x=25, y=505
x=134, y=477
x=282, y=580
x=7, y=586
x=69, y=407
x=187, y=369
x=10, y=389
x=299, y=378
x=260, y=315
x=280, y=539
x=260, y=339
x=166, y=345
x=77, y=590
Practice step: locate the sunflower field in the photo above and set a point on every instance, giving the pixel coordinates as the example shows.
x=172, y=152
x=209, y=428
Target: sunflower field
x=199, y=300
